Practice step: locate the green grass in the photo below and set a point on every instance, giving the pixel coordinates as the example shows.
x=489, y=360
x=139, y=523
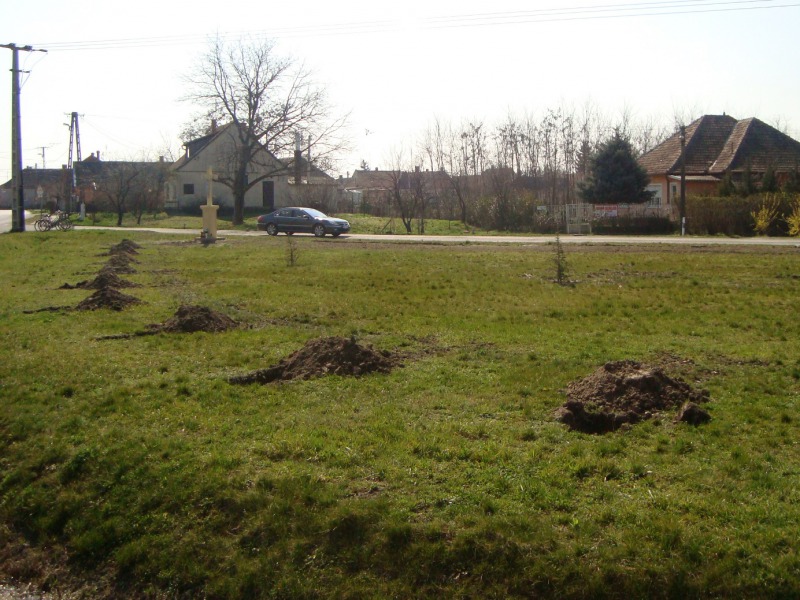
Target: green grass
x=447, y=477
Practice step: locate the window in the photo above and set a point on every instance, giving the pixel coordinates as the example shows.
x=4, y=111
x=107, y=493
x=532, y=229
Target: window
x=188, y=189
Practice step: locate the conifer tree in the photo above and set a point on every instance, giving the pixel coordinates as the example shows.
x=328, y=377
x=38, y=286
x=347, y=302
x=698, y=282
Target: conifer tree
x=615, y=175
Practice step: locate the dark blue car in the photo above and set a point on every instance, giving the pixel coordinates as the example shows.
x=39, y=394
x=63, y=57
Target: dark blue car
x=301, y=220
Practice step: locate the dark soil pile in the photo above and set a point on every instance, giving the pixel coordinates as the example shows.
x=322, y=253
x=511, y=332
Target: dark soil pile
x=125, y=247
x=324, y=356
x=107, y=298
x=104, y=279
x=121, y=264
x=190, y=318
x=623, y=392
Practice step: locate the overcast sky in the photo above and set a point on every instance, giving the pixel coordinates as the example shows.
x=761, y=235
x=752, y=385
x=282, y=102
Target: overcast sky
x=396, y=66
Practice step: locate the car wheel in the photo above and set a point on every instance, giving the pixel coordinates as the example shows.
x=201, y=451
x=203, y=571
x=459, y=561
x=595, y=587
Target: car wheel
x=319, y=231
x=272, y=229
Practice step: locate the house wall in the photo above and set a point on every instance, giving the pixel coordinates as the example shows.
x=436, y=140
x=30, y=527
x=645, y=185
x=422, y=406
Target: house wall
x=194, y=173
x=671, y=190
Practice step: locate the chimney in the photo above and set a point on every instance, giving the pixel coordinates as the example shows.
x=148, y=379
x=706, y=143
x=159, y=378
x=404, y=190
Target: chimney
x=213, y=126
x=98, y=155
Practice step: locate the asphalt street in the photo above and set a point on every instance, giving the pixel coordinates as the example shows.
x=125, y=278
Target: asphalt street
x=5, y=226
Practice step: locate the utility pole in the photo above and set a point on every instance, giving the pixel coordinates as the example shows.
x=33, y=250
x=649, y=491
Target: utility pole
x=683, y=180
x=18, y=190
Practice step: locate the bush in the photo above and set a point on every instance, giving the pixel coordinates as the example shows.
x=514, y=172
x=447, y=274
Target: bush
x=633, y=225
x=733, y=216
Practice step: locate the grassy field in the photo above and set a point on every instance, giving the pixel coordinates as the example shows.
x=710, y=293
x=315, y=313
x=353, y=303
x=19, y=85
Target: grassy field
x=133, y=466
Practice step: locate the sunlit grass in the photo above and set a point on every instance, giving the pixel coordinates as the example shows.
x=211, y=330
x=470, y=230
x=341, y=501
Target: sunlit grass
x=446, y=477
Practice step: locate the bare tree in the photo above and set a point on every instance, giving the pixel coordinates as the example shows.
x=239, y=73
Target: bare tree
x=117, y=184
x=148, y=190
x=267, y=99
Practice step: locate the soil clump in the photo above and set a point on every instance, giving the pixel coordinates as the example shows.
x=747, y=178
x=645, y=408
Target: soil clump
x=324, y=356
x=190, y=318
x=105, y=279
x=621, y=393
x=107, y=298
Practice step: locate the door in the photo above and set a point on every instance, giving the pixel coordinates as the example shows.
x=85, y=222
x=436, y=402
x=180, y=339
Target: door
x=268, y=195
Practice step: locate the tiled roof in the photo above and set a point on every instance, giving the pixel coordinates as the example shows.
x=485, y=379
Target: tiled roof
x=719, y=143
x=35, y=177
x=760, y=145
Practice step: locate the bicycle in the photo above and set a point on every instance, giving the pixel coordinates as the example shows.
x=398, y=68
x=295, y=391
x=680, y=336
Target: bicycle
x=63, y=221
x=58, y=220
x=43, y=223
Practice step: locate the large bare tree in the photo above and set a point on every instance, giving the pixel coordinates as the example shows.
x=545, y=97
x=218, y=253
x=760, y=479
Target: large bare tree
x=268, y=99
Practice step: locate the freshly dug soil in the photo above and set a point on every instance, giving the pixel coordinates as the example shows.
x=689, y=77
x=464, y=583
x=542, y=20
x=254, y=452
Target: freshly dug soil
x=190, y=318
x=623, y=392
x=104, y=279
x=107, y=298
x=324, y=356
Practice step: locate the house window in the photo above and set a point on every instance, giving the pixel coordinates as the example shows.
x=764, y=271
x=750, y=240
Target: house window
x=188, y=189
x=655, y=190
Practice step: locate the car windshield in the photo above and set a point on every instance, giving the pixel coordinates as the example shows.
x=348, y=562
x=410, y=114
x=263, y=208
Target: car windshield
x=316, y=214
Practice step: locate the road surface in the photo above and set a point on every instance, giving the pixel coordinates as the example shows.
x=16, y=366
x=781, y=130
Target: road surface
x=5, y=225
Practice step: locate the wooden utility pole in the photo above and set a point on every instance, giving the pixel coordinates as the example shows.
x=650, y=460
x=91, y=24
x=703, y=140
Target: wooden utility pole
x=18, y=190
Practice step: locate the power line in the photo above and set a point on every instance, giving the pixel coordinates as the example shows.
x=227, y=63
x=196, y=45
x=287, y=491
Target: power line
x=488, y=19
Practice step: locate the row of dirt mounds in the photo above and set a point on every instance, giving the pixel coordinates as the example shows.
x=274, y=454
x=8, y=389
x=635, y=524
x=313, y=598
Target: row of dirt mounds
x=107, y=283
x=108, y=280
x=626, y=392
x=324, y=356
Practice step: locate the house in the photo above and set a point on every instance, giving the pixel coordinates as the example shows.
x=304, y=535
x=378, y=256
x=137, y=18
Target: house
x=372, y=191
x=187, y=186
x=716, y=146
x=42, y=188
x=65, y=188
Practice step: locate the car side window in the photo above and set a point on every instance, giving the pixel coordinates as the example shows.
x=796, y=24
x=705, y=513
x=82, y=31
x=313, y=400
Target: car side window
x=285, y=213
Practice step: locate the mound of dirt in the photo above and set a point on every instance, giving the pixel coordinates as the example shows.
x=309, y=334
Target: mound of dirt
x=623, y=392
x=104, y=279
x=124, y=248
x=323, y=356
x=107, y=298
x=120, y=264
x=190, y=318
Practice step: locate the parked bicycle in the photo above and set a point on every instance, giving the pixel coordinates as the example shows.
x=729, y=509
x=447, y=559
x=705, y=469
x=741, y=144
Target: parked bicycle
x=59, y=219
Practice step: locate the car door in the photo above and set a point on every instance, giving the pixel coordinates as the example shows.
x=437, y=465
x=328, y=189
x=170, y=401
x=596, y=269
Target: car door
x=305, y=222
x=283, y=219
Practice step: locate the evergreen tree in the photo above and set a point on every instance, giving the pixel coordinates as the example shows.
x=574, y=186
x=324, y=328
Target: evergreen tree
x=748, y=187
x=769, y=183
x=615, y=175
x=726, y=187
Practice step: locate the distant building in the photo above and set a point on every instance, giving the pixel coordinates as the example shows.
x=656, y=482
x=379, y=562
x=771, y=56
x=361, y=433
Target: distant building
x=717, y=145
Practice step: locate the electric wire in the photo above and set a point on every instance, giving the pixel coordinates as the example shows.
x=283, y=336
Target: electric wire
x=487, y=19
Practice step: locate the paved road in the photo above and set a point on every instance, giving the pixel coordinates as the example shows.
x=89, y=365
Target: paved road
x=511, y=239
x=5, y=225
x=5, y=220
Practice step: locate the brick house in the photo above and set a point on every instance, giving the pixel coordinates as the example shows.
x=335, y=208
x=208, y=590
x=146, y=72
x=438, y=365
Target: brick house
x=717, y=145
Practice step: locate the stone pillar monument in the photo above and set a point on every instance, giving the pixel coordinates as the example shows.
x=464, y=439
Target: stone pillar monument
x=209, y=233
